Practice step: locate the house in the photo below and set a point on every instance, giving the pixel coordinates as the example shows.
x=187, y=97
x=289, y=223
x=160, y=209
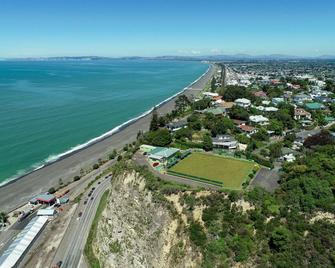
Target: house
x=217, y=111
x=245, y=103
x=239, y=122
x=228, y=105
x=176, y=125
x=260, y=94
x=323, y=99
x=249, y=130
x=270, y=109
x=277, y=101
x=210, y=94
x=266, y=102
x=163, y=155
x=217, y=98
x=43, y=199
x=301, y=98
x=259, y=119
x=225, y=142
x=288, y=154
x=314, y=106
x=302, y=114
x=266, y=109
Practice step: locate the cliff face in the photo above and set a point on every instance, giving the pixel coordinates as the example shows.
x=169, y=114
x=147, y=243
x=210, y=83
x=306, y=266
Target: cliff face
x=136, y=231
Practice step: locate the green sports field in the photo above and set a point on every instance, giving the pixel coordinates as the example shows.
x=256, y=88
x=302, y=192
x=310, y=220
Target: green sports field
x=229, y=171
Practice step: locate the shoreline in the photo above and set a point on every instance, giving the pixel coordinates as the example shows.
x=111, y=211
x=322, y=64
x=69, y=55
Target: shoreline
x=202, y=80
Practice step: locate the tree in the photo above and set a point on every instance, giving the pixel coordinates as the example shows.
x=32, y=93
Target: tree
x=112, y=155
x=194, y=122
x=232, y=93
x=213, y=86
x=238, y=112
x=95, y=166
x=201, y=104
x=197, y=234
x=51, y=190
x=154, y=124
x=323, y=138
x=76, y=178
x=3, y=218
x=183, y=133
x=207, y=144
x=261, y=135
x=279, y=239
x=275, y=149
x=181, y=104
x=160, y=137
x=276, y=126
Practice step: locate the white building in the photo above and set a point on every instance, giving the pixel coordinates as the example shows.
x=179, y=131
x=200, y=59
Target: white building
x=210, y=94
x=259, y=119
x=245, y=103
x=225, y=141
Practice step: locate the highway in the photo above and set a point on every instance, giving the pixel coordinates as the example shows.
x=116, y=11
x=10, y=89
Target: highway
x=72, y=246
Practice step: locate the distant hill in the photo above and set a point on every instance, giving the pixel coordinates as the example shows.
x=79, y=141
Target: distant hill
x=223, y=57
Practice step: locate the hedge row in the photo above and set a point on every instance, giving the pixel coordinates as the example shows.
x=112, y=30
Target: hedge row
x=195, y=178
x=262, y=161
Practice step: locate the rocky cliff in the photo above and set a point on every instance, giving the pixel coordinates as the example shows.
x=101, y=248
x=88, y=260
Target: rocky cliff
x=143, y=228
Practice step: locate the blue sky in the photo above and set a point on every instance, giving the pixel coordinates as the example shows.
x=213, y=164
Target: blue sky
x=166, y=27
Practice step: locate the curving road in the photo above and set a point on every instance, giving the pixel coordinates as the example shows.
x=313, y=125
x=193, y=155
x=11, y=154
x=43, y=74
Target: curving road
x=71, y=248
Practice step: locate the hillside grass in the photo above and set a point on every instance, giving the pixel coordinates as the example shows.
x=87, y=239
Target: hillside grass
x=91, y=258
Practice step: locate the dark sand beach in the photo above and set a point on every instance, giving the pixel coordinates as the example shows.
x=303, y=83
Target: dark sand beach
x=20, y=191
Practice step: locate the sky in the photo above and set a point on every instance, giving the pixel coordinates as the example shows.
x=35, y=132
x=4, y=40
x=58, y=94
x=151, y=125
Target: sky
x=43, y=28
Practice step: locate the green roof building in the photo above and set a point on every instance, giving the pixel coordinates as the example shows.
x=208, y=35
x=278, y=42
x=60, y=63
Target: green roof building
x=314, y=106
x=163, y=155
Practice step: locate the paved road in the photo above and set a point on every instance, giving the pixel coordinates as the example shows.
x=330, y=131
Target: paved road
x=71, y=248
x=267, y=178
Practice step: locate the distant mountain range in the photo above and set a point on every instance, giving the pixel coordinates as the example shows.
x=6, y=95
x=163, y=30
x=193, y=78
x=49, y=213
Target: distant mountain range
x=202, y=58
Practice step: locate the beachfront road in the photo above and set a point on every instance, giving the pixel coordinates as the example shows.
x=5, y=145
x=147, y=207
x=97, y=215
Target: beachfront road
x=71, y=248
x=21, y=191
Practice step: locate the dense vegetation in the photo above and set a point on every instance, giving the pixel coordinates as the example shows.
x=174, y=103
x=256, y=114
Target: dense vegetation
x=278, y=232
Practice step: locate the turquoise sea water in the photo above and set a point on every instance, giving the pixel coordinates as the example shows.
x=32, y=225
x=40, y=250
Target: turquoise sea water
x=49, y=107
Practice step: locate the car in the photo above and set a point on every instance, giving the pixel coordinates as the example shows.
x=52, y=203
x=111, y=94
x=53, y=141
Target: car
x=85, y=202
x=93, y=189
x=89, y=194
x=58, y=264
x=99, y=182
x=79, y=214
x=92, y=198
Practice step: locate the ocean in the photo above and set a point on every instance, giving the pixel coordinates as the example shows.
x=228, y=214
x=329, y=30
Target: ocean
x=50, y=107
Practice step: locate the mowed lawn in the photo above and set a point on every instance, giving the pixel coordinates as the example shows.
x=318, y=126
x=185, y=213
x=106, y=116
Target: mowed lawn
x=231, y=172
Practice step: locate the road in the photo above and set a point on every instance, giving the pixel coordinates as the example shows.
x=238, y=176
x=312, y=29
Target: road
x=72, y=246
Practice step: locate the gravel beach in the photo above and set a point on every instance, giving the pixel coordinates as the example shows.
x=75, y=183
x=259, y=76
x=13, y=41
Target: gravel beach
x=18, y=192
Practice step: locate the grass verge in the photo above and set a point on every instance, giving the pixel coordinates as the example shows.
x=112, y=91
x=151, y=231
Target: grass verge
x=91, y=258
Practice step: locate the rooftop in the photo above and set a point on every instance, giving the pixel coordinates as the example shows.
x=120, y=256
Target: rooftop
x=163, y=152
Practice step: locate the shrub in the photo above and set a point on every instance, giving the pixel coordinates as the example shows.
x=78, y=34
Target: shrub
x=76, y=178
x=52, y=190
x=95, y=166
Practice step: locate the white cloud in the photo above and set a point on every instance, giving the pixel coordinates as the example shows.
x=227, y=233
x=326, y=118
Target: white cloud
x=216, y=51
x=189, y=52
x=195, y=52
